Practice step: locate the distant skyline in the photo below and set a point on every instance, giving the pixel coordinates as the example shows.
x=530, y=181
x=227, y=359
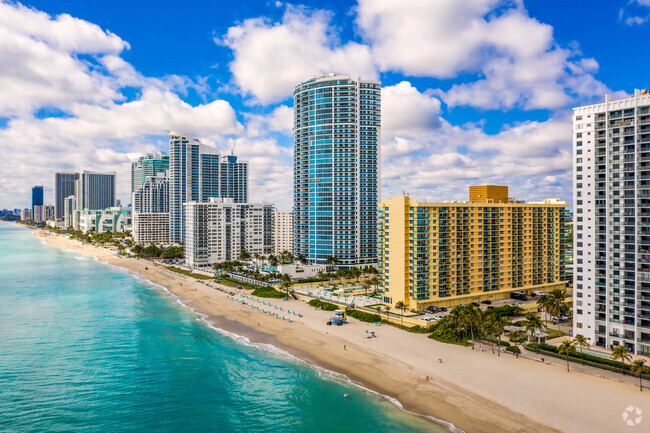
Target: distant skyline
x=473, y=92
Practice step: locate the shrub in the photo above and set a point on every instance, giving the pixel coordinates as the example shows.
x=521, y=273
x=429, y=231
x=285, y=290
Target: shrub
x=513, y=349
x=363, y=316
x=267, y=292
x=495, y=341
x=419, y=329
x=316, y=303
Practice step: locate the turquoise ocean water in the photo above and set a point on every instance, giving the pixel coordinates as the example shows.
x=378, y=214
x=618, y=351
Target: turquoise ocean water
x=84, y=347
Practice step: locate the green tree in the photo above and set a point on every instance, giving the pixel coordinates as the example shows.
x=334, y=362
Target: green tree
x=401, y=306
x=365, y=286
x=500, y=322
x=244, y=255
x=582, y=342
x=532, y=323
x=332, y=261
x=638, y=366
x=566, y=348
x=556, y=304
x=543, y=303
x=621, y=353
x=302, y=259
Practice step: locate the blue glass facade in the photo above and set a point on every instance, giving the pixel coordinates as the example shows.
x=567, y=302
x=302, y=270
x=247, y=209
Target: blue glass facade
x=37, y=197
x=198, y=172
x=336, y=169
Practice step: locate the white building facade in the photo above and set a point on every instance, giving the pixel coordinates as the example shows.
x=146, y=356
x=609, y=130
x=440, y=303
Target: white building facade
x=198, y=172
x=220, y=230
x=283, y=233
x=105, y=220
x=151, y=210
x=95, y=190
x=69, y=206
x=611, y=161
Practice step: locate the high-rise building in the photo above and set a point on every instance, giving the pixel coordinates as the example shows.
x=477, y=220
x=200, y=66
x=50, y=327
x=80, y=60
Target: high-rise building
x=220, y=230
x=26, y=215
x=37, y=198
x=147, y=166
x=95, y=191
x=39, y=213
x=49, y=212
x=283, y=233
x=611, y=253
x=336, y=169
x=63, y=187
x=445, y=254
x=198, y=172
x=69, y=206
x=151, y=210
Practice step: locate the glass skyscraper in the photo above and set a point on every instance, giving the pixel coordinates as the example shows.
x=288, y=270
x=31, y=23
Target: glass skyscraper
x=147, y=166
x=37, y=197
x=198, y=172
x=63, y=187
x=337, y=123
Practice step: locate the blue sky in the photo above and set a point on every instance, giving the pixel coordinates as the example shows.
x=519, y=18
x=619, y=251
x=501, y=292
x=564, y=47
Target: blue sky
x=474, y=91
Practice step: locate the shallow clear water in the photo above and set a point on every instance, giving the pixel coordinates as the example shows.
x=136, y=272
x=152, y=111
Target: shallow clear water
x=84, y=347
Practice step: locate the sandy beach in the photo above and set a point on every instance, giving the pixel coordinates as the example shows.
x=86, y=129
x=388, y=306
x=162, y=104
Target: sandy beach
x=476, y=391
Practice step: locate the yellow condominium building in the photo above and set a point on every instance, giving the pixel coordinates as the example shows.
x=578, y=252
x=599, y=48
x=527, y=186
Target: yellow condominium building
x=446, y=254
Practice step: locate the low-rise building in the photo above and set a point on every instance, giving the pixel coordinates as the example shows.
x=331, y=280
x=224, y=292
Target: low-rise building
x=220, y=230
x=446, y=254
x=102, y=221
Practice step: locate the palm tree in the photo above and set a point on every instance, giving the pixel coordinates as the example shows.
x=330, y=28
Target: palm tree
x=500, y=322
x=244, y=255
x=566, y=348
x=374, y=281
x=302, y=259
x=621, y=353
x=489, y=328
x=543, y=303
x=286, y=285
x=401, y=306
x=639, y=367
x=273, y=261
x=473, y=319
x=581, y=341
x=533, y=323
x=365, y=286
x=386, y=310
x=556, y=304
x=321, y=275
x=331, y=261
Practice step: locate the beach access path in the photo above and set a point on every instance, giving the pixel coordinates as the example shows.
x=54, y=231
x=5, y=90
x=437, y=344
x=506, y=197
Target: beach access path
x=475, y=390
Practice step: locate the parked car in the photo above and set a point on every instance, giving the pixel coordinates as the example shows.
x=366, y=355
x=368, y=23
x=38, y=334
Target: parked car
x=486, y=302
x=538, y=293
x=442, y=309
x=433, y=309
x=519, y=295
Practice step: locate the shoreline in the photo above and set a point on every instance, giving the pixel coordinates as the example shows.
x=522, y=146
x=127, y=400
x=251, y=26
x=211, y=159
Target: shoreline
x=473, y=391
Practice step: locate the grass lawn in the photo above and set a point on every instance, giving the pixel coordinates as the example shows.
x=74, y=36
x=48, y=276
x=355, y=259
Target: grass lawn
x=189, y=274
x=268, y=292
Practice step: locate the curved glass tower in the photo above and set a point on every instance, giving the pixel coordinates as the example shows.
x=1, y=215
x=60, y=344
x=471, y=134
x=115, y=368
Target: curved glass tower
x=337, y=122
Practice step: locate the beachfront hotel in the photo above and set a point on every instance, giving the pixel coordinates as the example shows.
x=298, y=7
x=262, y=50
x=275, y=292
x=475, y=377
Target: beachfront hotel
x=146, y=167
x=64, y=182
x=451, y=253
x=221, y=229
x=198, y=172
x=611, y=187
x=337, y=123
x=151, y=210
x=103, y=221
x=69, y=206
x=283, y=233
x=95, y=190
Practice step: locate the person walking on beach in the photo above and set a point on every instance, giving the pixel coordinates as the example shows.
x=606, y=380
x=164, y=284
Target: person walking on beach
x=344, y=347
